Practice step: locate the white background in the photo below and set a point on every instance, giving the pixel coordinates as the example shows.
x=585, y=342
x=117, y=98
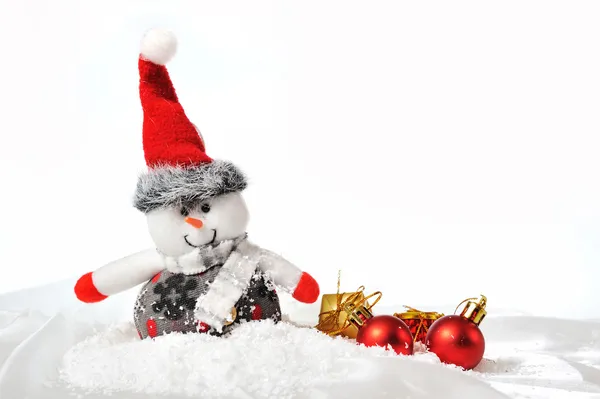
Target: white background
x=430, y=150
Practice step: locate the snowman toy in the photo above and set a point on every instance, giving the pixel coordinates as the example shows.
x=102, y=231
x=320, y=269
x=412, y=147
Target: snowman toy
x=203, y=274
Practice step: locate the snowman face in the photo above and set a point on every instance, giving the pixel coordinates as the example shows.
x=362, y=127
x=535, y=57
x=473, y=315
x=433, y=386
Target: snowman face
x=177, y=231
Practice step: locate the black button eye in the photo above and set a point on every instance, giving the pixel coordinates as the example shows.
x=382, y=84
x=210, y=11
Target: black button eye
x=205, y=208
x=184, y=211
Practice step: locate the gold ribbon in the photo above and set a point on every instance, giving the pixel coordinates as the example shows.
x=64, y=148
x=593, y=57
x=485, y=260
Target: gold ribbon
x=352, y=302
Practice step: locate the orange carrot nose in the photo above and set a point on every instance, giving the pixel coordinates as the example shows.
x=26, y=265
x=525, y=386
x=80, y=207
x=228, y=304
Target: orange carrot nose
x=197, y=223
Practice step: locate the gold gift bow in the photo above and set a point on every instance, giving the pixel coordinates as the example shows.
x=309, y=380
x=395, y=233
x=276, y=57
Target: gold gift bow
x=354, y=300
x=421, y=315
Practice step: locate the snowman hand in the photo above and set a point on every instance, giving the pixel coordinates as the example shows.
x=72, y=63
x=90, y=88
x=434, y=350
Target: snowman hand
x=86, y=291
x=215, y=307
x=301, y=285
x=307, y=290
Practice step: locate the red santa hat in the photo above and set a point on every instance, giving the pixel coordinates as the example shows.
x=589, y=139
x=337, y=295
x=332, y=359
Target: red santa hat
x=179, y=170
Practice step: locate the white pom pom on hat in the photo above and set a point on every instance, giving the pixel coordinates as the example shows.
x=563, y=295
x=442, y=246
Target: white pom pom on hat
x=158, y=46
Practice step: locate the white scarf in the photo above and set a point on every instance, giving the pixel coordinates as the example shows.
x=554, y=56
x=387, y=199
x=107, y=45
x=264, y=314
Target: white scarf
x=239, y=265
x=203, y=257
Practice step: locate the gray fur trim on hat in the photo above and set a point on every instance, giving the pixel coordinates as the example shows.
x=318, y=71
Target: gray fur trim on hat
x=166, y=186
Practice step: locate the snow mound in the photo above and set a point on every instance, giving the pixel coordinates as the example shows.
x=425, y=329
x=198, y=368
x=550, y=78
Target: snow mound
x=250, y=360
x=526, y=358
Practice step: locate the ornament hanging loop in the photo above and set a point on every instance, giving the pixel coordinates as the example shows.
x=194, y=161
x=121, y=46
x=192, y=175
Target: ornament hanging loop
x=474, y=309
x=458, y=306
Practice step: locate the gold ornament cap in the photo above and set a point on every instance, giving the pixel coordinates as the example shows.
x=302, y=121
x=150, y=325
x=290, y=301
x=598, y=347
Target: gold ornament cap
x=357, y=314
x=474, y=309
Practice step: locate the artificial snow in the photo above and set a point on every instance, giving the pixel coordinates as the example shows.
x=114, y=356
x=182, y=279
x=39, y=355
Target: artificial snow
x=261, y=359
x=93, y=352
x=268, y=360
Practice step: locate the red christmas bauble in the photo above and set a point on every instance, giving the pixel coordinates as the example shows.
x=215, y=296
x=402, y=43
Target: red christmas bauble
x=386, y=330
x=456, y=340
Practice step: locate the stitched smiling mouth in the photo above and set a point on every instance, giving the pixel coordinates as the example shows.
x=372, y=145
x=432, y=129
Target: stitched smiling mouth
x=196, y=246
